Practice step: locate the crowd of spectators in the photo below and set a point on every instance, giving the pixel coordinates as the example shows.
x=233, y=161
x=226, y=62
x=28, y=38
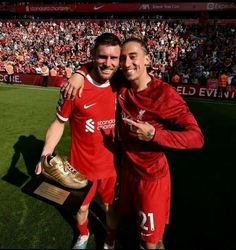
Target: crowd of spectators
x=190, y=53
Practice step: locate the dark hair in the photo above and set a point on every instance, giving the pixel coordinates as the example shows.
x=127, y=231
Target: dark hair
x=107, y=39
x=139, y=41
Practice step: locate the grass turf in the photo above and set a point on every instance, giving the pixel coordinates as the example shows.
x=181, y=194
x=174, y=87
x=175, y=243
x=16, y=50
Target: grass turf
x=203, y=200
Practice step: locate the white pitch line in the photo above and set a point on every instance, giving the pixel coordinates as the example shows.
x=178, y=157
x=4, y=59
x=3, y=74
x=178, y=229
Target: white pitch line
x=31, y=87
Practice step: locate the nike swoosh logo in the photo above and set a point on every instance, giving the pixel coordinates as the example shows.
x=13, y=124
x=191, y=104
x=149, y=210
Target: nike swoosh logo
x=88, y=106
x=98, y=7
x=122, y=98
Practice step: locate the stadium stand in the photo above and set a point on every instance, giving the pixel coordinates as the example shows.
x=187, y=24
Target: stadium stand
x=199, y=48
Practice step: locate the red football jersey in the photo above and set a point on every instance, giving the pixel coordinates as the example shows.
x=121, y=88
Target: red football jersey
x=160, y=105
x=92, y=123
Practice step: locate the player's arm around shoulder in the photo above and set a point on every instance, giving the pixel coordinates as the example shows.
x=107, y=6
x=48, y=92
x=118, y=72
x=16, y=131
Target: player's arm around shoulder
x=76, y=82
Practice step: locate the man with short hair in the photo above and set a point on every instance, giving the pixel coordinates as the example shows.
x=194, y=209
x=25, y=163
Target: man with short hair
x=92, y=124
x=154, y=116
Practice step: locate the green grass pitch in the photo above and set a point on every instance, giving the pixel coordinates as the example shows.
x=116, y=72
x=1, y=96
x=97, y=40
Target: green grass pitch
x=203, y=201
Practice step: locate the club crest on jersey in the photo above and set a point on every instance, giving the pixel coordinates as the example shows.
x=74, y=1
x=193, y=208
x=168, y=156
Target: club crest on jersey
x=140, y=114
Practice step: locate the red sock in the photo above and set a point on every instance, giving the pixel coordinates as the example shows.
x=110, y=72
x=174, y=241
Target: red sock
x=83, y=228
x=111, y=236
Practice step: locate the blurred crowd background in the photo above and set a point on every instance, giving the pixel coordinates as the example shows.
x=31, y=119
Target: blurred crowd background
x=185, y=47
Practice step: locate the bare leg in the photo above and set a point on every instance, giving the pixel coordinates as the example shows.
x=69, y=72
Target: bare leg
x=149, y=245
x=111, y=217
x=112, y=224
x=82, y=214
x=160, y=245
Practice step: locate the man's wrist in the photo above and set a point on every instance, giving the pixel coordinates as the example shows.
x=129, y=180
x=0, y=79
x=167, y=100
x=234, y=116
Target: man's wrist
x=80, y=73
x=42, y=158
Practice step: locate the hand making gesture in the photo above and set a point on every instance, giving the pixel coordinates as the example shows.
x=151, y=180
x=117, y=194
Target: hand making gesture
x=145, y=131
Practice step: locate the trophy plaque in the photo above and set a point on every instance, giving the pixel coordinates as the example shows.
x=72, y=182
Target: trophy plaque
x=55, y=194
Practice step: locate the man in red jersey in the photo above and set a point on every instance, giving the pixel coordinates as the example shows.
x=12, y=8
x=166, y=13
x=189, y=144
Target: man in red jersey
x=154, y=116
x=92, y=124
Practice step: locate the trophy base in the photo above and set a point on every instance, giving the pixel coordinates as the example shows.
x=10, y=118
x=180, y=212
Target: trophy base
x=55, y=194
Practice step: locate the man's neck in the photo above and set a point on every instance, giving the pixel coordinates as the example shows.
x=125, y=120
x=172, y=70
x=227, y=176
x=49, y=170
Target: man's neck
x=141, y=84
x=97, y=79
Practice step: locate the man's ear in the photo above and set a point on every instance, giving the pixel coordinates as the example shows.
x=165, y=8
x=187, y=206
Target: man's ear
x=147, y=60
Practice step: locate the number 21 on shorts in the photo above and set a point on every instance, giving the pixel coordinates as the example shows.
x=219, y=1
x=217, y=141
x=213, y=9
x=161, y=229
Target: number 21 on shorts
x=146, y=219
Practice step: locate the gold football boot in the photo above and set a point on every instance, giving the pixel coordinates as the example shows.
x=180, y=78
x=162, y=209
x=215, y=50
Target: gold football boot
x=59, y=169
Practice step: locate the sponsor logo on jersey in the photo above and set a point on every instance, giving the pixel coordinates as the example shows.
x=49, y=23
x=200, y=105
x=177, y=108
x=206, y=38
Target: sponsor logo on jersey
x=105, y=124
x=89, y=126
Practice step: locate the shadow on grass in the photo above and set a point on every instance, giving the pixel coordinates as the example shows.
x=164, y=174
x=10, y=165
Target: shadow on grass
x=30, y=148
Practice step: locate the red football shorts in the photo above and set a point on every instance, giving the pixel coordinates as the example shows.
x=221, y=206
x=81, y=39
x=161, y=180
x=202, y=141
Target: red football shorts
x=148, y=201
x=105, y=189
